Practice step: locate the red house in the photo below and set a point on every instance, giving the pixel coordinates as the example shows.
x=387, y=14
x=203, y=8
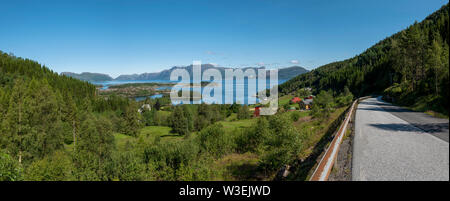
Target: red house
x=256, y=113
x=296, y=100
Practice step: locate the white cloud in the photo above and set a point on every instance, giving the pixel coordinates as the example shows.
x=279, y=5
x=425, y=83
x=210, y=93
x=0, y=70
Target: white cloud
x=260, y=63
x=294, y=61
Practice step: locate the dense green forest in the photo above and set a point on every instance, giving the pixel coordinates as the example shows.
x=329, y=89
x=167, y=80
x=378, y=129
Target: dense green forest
x=410, y=68
x=91, y=77
x=41, y=112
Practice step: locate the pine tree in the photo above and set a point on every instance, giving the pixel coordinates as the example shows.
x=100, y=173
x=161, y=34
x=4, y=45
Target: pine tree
x=70, y=117
x=435, y=62
x=14, y=126
x=44, y=119
x=95, y=143
x=131, y=120
x=157, y=105
x=243, y=112
x=189, y=117
x=179, y=121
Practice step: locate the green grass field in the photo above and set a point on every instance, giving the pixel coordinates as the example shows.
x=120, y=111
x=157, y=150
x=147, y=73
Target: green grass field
x=148, y=134
x=121, y=140
x=235, y=167
x=230, y=126
x=283, y=100
x=68, y=147
x=232, y=117
x=302, y=113
x=160, y=131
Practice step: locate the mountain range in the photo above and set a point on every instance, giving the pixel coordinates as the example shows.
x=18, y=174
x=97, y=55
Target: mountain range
x=283, y=73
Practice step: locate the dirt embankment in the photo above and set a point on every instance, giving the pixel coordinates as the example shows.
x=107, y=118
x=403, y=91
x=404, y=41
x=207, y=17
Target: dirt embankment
x=342, y=168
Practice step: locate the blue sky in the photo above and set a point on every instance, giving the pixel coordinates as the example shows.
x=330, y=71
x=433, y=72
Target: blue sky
x=125, y=37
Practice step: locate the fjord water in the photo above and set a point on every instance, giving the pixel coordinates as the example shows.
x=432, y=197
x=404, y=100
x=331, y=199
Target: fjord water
x=236, y=85
x=105, y=84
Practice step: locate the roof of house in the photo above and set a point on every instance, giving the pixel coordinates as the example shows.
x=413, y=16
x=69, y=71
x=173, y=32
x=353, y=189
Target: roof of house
x=144, y=107
x=307, y=101
x=296, y=99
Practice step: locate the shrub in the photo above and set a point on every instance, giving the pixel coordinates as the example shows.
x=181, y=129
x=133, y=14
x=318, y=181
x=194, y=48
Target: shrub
x=251, y=139
x=344, y=98
x=168, y=158
x=9, y=168
x=198, y=170
x=295, y=116
x=283, y=145
x=243, y=112
x=182, y=120
x=56, y=167
x=214, y=141
x=323, y=104
x=128, y=167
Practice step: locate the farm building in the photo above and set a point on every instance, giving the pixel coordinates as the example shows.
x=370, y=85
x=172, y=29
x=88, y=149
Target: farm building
x=256, y=112
x=145, y=107
x=295, y=100
x=306, y=104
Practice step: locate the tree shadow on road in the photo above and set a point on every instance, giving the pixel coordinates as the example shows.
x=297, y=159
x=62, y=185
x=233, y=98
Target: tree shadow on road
x=430, y=127
x=386, y=109
x=374, y=103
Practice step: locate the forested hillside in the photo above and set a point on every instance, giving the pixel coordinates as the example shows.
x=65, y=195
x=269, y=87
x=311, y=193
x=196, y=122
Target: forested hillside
x=14, y=68
x=41, y=113
x=91, y=77
x=410, y=68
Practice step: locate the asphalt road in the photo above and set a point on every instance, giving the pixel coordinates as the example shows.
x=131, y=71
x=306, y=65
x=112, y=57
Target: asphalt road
x=395, y=144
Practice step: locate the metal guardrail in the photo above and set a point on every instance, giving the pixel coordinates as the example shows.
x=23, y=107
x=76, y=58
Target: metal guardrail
x=325, y=165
